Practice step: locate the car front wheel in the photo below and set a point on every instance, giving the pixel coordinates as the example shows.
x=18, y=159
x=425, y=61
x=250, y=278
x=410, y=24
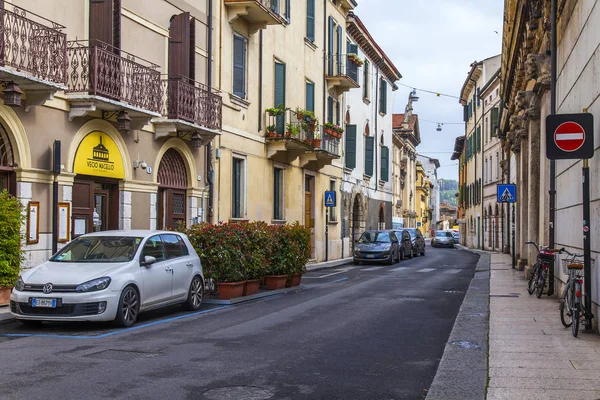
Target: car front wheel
x=195, y=295
x=129, y=307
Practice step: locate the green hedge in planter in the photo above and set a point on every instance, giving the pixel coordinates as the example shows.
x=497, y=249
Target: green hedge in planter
x=11, y=253
x=233, y=252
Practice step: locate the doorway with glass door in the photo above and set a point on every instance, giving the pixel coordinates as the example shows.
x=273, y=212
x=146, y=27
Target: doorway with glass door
x=95, y=206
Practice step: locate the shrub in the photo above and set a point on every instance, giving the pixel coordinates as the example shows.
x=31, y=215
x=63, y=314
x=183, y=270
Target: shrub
x=11, y=253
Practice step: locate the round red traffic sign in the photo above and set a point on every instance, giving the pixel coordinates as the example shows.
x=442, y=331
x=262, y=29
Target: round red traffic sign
x=569, y=136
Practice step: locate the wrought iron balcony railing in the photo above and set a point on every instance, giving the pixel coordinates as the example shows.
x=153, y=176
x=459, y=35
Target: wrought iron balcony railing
x=99, y=69
x=340, y=65
x=33, y=44
x=191, y=101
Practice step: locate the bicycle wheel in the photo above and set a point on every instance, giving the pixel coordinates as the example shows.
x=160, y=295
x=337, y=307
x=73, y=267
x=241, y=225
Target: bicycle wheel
x=566, y=308
x=541, y=283
x=532, y=280
x=575, y=325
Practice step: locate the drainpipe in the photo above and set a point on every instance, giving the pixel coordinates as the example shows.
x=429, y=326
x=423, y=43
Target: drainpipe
x=553, y=51
x=209, y=171
x=483, y=222
x=260, y=78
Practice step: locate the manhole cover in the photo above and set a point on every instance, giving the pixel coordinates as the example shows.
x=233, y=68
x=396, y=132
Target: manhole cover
x=408, y=299
x=124, y=355
x=465, y=344
x=238, y=393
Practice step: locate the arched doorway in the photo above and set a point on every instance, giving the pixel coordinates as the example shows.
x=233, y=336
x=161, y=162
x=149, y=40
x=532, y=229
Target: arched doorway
x=491, y=227
x=381, y=221
x=7, y=162
x=172, y=185
x=497, y=230
x=358, y=219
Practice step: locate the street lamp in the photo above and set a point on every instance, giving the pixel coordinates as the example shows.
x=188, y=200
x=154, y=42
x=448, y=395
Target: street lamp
x=12, y=95
x=413, y=95
x=123, y=122
x=439, y=127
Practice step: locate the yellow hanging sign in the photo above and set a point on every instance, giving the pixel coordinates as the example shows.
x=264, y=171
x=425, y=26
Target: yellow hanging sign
x=98, y=155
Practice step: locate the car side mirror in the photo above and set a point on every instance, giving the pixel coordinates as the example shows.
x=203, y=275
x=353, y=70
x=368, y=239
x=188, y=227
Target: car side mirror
x=148, y=260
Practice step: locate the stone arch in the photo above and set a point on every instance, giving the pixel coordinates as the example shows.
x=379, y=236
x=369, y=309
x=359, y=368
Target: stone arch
x=358, y=217
x=186, y=154
x=17, y=137
x=110, y=130
x=367, y=129
x=381, y=217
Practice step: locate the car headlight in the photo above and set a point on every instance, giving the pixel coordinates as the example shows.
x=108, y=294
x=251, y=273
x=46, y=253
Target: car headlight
x=94, y=285
x=19, y=285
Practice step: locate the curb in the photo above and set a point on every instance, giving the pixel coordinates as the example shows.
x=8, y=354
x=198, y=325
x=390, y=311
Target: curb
x=328, y=264
x=463, y=369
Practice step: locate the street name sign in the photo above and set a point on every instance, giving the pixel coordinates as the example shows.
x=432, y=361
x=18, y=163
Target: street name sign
x=507, y=193
x=569, y=136
x=329, y=199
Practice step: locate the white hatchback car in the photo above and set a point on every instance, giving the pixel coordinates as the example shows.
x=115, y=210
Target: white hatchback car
x=111, y=275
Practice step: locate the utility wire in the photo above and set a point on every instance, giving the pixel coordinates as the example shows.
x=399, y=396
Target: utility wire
x=438, y=94
x=438, y=122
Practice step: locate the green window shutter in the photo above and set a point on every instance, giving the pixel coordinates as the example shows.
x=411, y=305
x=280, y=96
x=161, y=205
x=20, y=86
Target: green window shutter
x=276, y=193
x=310, y=96
x=330, y=47
x=478, y=138
x=288, y=10
x=330, y=109
x=310, y=20
x=339, y=51
x=350, y=146
x=478, y=99
x=383, y=96
x=494, y=126
x=275, y=6
x=470, y=109
x=237, y=187
x=337, y=113
x=366, y=80
x=369, y=152
x=239, y=66
x=351, y=68
x=279, y=95
x=385, y=161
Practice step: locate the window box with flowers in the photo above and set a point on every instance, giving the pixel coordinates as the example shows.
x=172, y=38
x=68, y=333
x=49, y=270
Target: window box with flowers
x=333, y=130
x=355, y=59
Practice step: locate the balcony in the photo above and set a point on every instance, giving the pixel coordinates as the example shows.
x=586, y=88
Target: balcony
x=258, y=14
x=342, y=74
x=294, y=138
x=189, y=107
x=33, y=54
x=106, y=78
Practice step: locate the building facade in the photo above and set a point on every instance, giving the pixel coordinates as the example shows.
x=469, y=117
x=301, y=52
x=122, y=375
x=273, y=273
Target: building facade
x=119, y=129
x=526, y=94
x=367, y=183
x=423, y=201
x=407, y=136
x=480, y=73
x=430, y=166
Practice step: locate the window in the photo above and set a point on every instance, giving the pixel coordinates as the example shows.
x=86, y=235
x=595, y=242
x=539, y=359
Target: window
x=350, y=146
x=182, y=45
x=485, y=171
x=279, y=95
x=239, y=66
x=385, y=161
x=330, y=107
x=330, y=55
x=497, y=165
x=239, y=188
x=383, y=96
x=172, y=246
x=154, y=248
x=478, y=145
x=310, y=96
x=278, y=204
x=332, y=210
x=351, y=68
x=366, y=80
x=494, y=119
x=310, y=20
x=486, y=125
x=369, y=152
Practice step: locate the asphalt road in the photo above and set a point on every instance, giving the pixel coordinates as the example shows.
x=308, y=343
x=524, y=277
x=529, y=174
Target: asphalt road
x=367, y=332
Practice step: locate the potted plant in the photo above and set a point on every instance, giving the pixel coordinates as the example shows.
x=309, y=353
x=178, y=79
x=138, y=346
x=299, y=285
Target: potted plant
x=272, y=131
x=258, y=237
x=329, y=129
x=300, y=113
x=276, y=111
x=11, y=253
x=316, y=140
x=299, y=237
x=277, y=259
x=355, y=59
x=339, y=131
x=292, y=130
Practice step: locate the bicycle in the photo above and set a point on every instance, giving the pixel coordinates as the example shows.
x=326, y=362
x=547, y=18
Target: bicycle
x=544, y=260
x=571, y=304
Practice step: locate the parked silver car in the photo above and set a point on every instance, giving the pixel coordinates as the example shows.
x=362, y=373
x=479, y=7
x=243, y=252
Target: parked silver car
x=377, y=246
x=443, y=239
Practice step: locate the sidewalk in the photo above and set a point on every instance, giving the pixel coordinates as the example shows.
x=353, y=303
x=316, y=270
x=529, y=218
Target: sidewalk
x=531, y=355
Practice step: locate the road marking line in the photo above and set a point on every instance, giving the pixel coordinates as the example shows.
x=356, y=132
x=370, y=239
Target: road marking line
x=372, y=269
x=400, y=269
x=453, y=271
x=324, y=276
x=426, y=270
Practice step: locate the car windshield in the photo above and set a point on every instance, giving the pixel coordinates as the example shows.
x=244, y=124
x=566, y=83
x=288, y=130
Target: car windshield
x=412, y=232
x=443, y=234
x=99, y=249
x=375, y=237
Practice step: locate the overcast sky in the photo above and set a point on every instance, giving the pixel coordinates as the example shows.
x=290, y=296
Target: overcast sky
x=432, y=43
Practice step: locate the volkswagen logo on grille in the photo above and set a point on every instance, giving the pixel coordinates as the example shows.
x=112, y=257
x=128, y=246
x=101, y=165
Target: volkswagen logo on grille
x=47, y=288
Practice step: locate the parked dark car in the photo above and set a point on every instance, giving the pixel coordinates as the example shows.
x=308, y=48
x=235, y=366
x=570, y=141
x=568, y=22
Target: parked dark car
x=418, y=242
x=443, y=239
x=405, y=243
x=377, y=246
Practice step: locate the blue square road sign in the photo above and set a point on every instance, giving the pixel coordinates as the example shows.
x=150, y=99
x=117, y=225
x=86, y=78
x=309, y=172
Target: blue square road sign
x=330, y=199
x=507, y=193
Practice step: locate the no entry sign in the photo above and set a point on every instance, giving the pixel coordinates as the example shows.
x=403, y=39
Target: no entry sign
x=569, y=136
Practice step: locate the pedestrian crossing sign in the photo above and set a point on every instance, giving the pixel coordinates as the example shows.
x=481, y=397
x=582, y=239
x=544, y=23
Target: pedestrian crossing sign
x=507, y=193
x=330, y=199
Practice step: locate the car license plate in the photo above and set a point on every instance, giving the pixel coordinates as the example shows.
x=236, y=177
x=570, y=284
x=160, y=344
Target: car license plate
x=370, y=256
x=47, y=303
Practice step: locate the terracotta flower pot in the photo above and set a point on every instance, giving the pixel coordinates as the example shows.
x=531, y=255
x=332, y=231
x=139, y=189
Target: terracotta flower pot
x=230, y=290
x=317, y=142
x=294, y=280
x=251, y=287
x=5, y=295
x=329, y=131
x=274, y=282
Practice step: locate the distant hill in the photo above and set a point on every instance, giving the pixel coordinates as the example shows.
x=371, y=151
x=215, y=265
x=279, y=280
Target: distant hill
x=448, y=189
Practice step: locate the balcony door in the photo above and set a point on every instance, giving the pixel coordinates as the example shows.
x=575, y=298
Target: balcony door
x=105, y=38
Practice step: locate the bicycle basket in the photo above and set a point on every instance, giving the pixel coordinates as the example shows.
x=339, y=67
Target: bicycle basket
x=569, y=260
x=546, y=257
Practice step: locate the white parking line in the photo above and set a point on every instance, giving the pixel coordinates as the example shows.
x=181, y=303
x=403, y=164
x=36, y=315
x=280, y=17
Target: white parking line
x=426, y=270
x=399, y=269
x=372, y=269
x=453, y=271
